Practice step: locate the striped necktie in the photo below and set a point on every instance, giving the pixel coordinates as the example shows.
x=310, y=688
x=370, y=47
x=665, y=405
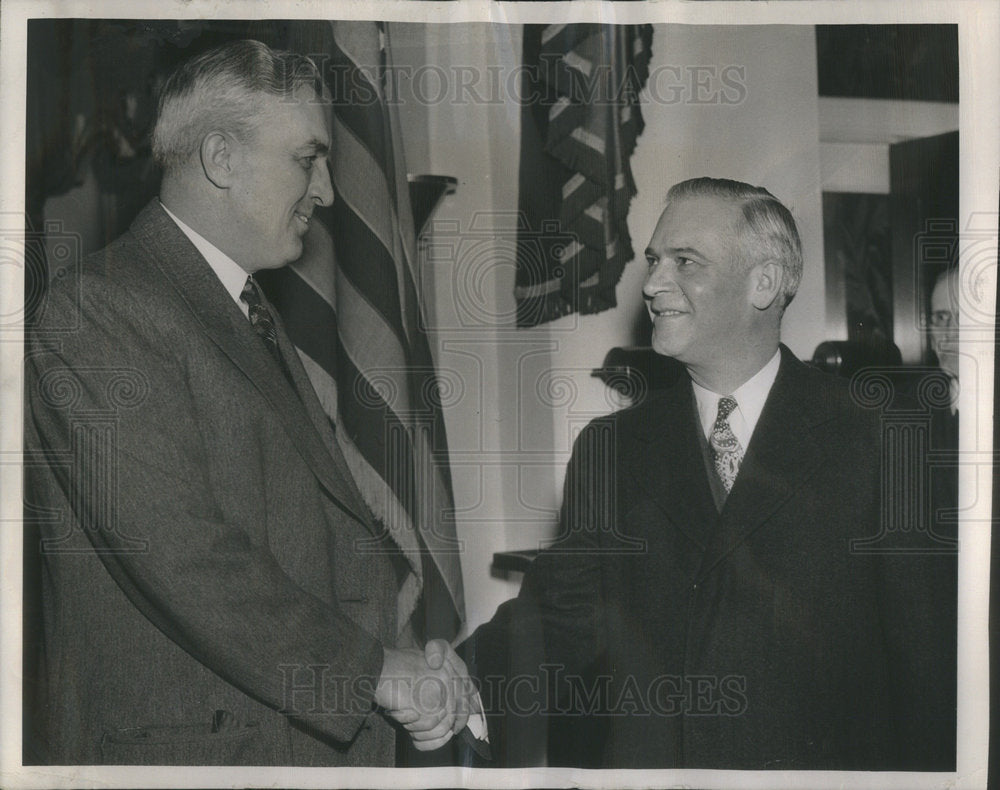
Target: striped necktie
x=726, y=451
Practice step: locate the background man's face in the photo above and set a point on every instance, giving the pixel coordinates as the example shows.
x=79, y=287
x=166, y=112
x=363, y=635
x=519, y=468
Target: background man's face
x=696, y=293
x=283, y=175
x=944, y=322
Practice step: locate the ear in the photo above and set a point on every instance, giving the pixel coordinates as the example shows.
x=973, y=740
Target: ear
x=219, y=159
x=765, y=283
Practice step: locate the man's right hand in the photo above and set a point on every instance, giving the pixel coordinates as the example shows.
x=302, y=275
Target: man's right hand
x=428, y=692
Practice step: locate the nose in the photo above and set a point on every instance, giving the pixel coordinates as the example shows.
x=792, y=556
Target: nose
x=659, y=278
x=320, y=185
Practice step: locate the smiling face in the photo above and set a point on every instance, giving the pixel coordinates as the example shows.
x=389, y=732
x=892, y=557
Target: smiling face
x=698, y=294
x=280, y=176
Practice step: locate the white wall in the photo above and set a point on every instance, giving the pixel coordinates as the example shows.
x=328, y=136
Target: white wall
x=468, y=275
x=525, y=393
x=770, y=139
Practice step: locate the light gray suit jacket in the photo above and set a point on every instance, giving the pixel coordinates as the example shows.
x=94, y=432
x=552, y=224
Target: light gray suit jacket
x=201, y=585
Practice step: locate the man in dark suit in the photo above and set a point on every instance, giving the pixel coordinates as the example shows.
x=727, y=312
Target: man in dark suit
x=711, y=600
x=205, y=581
x=944, y=339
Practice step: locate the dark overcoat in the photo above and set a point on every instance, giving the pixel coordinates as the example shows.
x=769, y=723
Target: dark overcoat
x=808, y=625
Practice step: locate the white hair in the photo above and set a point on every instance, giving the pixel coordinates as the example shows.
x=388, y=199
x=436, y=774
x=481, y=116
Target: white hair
x=222, y=90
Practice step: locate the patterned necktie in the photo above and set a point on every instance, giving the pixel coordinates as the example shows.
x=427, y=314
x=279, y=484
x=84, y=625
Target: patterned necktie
x=260, y=317
x=726, y=450
x=263, y=323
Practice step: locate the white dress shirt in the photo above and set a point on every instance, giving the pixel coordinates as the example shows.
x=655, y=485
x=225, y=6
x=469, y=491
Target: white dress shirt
x=230, y=273
x=750, y=397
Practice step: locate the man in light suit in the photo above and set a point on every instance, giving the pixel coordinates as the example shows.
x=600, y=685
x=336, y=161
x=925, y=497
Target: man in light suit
x=712, y=599
x=206, y=589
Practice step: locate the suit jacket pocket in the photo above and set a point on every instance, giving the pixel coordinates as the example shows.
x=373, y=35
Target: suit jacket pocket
x=221, y=741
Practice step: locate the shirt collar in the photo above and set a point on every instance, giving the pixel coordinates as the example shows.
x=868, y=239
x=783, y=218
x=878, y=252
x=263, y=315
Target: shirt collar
x=230, y=273
x=750, y=398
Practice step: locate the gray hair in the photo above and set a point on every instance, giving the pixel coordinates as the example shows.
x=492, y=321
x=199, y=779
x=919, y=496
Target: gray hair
x=768, y=230
x=222, y=90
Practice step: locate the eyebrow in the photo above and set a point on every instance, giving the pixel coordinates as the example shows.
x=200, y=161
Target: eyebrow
x=673, y=252
x=315, y=145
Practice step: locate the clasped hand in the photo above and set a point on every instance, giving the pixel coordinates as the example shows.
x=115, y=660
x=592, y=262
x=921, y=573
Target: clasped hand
x=427, y=691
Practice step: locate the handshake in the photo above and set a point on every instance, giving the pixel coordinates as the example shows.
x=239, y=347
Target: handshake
x=429, y=692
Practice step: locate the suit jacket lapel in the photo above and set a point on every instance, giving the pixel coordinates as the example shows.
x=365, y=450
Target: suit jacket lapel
x=783, y=454
x=197, y=285
x=319, y=418
x=669, y=467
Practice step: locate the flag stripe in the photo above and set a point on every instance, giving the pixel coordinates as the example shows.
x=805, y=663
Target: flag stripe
x=364, y=340
x=369, y=266
x=375, y=350
x=307, y=317
x=387, y=506
x=366, y=197
x=372, y=426
x=357, y=102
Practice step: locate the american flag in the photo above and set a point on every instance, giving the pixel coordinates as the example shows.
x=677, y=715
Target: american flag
x=578, y=132
x=351, y=307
